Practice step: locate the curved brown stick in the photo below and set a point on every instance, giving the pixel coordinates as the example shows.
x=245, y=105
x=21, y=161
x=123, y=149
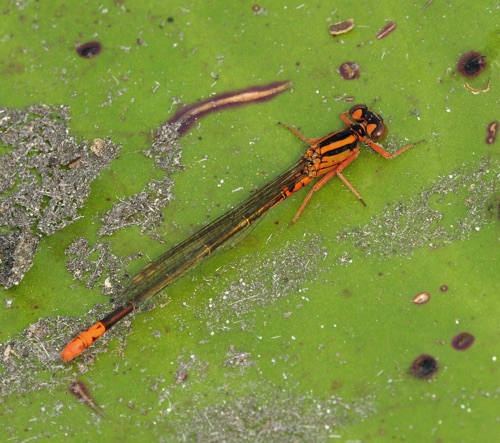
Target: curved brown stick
x=188, y=114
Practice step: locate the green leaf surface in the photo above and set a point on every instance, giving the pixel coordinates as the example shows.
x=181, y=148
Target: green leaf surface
x=303, y=332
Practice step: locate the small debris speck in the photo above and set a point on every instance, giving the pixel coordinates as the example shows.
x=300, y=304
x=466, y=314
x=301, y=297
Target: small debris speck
x=463, y=341
x=386, y=30
x=492, y=132
x=341, y=27
x=349, y=71
x=421, y=298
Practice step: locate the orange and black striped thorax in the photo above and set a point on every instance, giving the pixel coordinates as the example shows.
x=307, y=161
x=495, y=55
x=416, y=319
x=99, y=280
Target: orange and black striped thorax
x=326, y=154
x=337, y=146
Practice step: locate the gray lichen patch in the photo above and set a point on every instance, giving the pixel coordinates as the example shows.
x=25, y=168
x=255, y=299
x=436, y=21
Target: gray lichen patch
x=238, y=358
x=30, y=361
x=280, y=273
x=262, y=280
x=45, y=177
x=92, y=264
x=144, y=209
x=16, y=252
x=26, y=357
x=165, y=150
x=452, y=208
x=264, y=411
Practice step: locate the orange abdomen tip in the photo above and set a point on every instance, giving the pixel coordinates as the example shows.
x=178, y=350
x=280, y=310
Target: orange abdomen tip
x=82, y=341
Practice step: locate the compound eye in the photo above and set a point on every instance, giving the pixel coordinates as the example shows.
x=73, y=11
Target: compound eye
x=379, y=133
x=357, y=112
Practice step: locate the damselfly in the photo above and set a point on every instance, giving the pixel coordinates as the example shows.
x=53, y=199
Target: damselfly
x=325, y=157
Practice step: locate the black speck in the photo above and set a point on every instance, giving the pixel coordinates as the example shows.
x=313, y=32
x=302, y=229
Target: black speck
x=170, y=19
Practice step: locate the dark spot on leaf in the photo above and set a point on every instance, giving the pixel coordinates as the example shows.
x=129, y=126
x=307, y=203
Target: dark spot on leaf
x=89, y=49
x=471, y=64
x=463, y=341
x=349, y=71
x=347, y=293
x=424, y=366
x=443, y=288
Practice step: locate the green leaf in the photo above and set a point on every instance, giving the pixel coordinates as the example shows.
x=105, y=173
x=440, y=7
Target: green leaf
x=302, y=332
